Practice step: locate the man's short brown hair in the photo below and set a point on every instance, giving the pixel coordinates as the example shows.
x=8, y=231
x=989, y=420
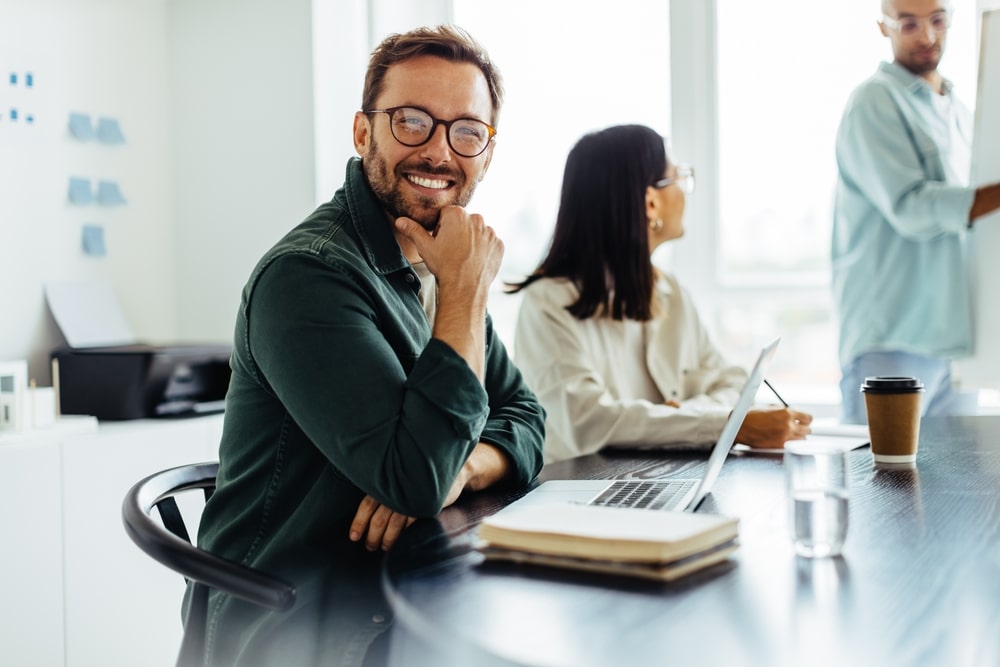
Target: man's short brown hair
x=445, y=41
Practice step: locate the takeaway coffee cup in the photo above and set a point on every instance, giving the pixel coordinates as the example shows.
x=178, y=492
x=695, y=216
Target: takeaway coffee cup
x=893, y=407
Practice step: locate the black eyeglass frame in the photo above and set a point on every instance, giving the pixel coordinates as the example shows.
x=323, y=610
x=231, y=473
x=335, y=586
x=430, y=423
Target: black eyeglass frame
x=389, y=111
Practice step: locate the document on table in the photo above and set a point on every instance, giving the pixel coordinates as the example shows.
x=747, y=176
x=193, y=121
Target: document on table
x=835, y=428
x=826, y=432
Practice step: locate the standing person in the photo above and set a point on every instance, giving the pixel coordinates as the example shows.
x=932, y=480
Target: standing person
x=614, y=347
x=368, y=387
x=902, y=217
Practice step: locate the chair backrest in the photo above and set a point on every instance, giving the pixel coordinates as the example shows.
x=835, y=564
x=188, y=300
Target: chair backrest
x=169, y=543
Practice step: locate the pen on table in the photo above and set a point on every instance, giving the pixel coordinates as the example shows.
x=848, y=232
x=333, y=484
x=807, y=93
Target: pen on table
x=783, y=402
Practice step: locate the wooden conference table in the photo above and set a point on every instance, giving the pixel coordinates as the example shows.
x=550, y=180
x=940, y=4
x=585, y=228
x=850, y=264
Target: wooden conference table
x=918, y=582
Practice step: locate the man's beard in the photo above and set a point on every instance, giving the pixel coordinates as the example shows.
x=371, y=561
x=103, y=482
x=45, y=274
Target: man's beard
x=424, y=210
x=919, y=66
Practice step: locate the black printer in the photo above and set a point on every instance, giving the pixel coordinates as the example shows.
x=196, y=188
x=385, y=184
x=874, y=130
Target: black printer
x=140, y=381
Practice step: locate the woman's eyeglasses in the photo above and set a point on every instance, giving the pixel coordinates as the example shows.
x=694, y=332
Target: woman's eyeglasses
x=684, y=178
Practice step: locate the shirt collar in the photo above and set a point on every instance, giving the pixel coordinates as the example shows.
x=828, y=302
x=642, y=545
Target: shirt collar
x=371, y=222
x=662, y=283
x=910, y=80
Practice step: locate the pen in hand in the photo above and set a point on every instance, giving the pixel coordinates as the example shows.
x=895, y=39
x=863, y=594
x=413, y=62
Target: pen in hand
x=783, y=402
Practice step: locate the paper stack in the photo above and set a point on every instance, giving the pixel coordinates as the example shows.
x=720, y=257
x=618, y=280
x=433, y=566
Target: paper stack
x=639, y=543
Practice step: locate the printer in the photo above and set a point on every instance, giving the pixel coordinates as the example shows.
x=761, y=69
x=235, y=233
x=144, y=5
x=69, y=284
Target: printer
x=140, y=381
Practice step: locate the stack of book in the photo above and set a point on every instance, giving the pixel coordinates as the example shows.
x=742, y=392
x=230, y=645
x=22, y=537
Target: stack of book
x=639, y=543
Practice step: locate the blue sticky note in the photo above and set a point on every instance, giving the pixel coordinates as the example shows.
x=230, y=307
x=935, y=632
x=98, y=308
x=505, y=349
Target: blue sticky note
x=93, y=241
x=13, y=114
x=109, y=131
x=29, y=79
x=108, y=194
x=13, y=78
x=79, y=191
x=80, y=127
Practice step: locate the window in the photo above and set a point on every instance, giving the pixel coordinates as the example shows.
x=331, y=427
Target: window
x=753, y=103
x=768, y=166
x=568, y=69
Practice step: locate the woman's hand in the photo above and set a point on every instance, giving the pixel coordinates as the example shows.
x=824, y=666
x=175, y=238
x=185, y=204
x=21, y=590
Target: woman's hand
x=771, y=428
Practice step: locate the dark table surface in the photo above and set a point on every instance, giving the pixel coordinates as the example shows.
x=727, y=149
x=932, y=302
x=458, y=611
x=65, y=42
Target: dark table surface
x=918, y=582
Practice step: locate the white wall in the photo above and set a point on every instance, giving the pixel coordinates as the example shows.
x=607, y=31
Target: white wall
x=263, y=96
x=242, y=149
x=237, y=116
x=104, y=58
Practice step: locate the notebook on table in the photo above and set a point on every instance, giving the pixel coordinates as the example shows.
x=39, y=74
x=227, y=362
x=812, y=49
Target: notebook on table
x=659, y=494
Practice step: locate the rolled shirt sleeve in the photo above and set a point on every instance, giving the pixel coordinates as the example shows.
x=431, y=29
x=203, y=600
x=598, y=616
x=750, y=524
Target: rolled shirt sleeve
x=398, y=412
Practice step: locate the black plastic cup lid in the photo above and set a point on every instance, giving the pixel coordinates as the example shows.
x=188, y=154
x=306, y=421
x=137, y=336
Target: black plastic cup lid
x=892, y=385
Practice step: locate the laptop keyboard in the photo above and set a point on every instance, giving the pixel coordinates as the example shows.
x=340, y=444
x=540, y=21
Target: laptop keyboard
x=644, y=494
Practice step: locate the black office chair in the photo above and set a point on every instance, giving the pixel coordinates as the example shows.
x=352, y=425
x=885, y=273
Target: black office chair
x=170, y=544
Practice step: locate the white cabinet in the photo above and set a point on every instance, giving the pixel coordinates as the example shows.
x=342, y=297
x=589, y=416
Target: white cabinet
x=122, y=607
x=76, y=590
x=31, y=619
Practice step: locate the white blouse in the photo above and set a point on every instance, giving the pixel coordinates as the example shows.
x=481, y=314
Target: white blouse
x=604, y=383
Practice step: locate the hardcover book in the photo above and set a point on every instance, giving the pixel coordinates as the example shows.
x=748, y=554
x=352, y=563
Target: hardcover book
x=657, y=545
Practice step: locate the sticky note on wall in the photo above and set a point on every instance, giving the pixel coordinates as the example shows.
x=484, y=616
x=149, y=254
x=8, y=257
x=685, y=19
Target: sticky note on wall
x=79, y=191
x=93, y=241
x=109, y=131
x=80, y=126
x=109, y=194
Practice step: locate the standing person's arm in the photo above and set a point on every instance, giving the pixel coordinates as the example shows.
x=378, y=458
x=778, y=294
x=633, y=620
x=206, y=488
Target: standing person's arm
x=986, y=200
x=882, y=153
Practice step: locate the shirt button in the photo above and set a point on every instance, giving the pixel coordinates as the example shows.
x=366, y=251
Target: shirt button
x=378, y=618
x=410, y=278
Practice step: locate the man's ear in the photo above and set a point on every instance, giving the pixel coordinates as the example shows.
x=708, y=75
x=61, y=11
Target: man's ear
x=882, y=28
x=362, y=133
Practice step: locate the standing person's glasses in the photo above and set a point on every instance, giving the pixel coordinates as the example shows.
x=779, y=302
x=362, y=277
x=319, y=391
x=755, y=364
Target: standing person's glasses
x=411, y=126
x=684, y=178
x=911, y=25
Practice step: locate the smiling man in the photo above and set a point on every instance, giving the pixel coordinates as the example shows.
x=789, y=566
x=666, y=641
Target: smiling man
x=903, y=216
x=368, y=387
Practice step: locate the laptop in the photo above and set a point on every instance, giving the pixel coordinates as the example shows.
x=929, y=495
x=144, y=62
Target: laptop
x=659, y=494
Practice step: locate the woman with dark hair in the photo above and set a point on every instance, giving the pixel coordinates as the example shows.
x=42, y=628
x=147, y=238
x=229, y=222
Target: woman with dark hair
x=613, y=347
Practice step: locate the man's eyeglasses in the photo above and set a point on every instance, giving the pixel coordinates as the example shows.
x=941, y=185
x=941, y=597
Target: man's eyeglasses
x=911, y=25
x=684, y=178
x=411, y=126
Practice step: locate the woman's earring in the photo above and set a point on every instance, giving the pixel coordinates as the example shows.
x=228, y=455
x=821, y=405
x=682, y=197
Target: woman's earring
x=656, y=225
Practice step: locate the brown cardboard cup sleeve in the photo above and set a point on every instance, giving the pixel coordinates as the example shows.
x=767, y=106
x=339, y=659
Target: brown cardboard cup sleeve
x=893, y=407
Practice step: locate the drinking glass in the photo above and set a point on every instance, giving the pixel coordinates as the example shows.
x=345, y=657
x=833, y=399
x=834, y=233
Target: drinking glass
x=816, y=485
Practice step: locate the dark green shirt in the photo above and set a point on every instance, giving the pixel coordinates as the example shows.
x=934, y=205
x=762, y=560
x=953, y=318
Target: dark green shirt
x=338, y=390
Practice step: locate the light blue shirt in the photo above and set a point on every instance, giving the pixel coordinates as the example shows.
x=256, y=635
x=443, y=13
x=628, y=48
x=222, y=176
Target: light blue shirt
x=900, y=220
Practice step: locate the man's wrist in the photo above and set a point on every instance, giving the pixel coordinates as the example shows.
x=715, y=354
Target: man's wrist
x=486, y=466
